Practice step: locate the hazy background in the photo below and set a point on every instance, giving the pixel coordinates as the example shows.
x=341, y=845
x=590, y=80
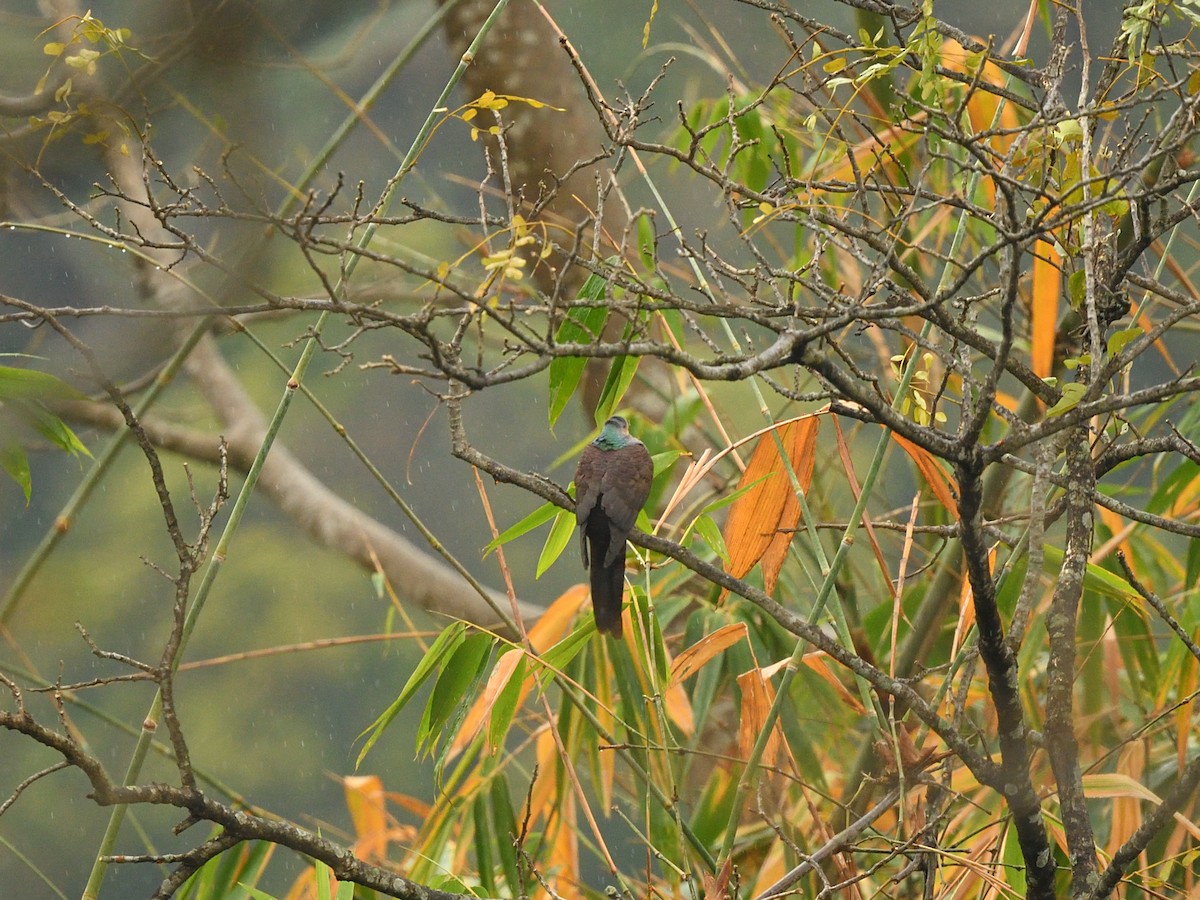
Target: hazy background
x=276, y=729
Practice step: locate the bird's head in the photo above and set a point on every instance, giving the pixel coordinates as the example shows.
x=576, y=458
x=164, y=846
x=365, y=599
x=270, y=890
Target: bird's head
x=615, y=434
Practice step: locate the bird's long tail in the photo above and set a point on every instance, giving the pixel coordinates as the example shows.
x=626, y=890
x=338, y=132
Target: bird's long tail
x=608, y=589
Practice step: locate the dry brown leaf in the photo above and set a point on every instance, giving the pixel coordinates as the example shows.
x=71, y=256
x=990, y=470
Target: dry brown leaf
x=757, y=695
x=762, y=521
x=697, y=656
x=943, y=485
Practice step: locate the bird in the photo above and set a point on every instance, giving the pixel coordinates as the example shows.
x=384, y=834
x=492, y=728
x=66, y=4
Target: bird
x=612, y=483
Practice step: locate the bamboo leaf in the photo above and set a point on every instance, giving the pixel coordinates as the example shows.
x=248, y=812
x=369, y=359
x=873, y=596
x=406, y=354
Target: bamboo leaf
x=704, y=651
x=14, y=461
x=535, y=519
x=446, y=642
x=460, y=671
x=942, y=484
x=506, y=700
x=1043, y=312
x=620, y=376
x=583, y=324
x=30, y=384
x=556, y=541
x=765, y=518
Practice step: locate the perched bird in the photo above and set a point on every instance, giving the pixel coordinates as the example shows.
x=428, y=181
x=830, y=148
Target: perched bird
x=611, y=485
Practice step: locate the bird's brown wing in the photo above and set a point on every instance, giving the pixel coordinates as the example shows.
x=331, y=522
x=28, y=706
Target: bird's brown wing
x=589, y=479
x=625, y=487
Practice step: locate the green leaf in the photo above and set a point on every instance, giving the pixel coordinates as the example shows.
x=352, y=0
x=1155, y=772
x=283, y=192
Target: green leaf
x=535, y=519
x=55, y=430
x=646, y=241
x=1095, y=578
x=556, y=540
x=461, y=670
x=14, y=461
x=1071, y=395
x=505, y=705
x=558, y=657
x=620, y=375
x=583, y=324
x=504, y=823
x=1119, y=340
x=485, y=836
x=322, y=879
x=446, y=642
x=708, y=531
x=29, y=384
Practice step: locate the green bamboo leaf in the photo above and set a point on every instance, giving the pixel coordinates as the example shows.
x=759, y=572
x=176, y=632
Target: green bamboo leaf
x=460, y=671
x=321, y=880
x=556, y=540
x=485, y=836
x=505, y=705
x=646, y=241
x=710, y=533
x=583, y=324
x=620, y=376
x=446, y=642
x=29, y=384
x=504, y=823
x=1095, y=578
x=54, y=429
x=1167, y=492
x=535, y=519
x=558, y=657
x=14, y=461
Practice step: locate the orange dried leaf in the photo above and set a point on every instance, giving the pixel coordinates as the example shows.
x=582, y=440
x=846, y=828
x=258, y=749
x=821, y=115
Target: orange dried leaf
x=1043, y=312
x=679, y=709
x=365, y=801
x=552, y=626
x=697, y=656
x=944, y=487
x=757, y=695
x=817, y=662
x=545, y=785
x=764, y=518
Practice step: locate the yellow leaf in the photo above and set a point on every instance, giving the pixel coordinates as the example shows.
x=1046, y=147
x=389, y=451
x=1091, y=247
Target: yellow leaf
x=53, y=48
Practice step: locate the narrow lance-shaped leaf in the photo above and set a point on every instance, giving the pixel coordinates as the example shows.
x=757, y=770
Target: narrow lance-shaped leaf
x=1044, y=305
x=583, y=324
x=620, y=376
x=556, y=541
x=535, y=519
x=942, y=484
x=453, y=682
x=764, y=519
x=446, y=642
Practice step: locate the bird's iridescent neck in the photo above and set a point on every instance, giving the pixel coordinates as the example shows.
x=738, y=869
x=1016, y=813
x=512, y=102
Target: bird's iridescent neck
x=615, y=436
